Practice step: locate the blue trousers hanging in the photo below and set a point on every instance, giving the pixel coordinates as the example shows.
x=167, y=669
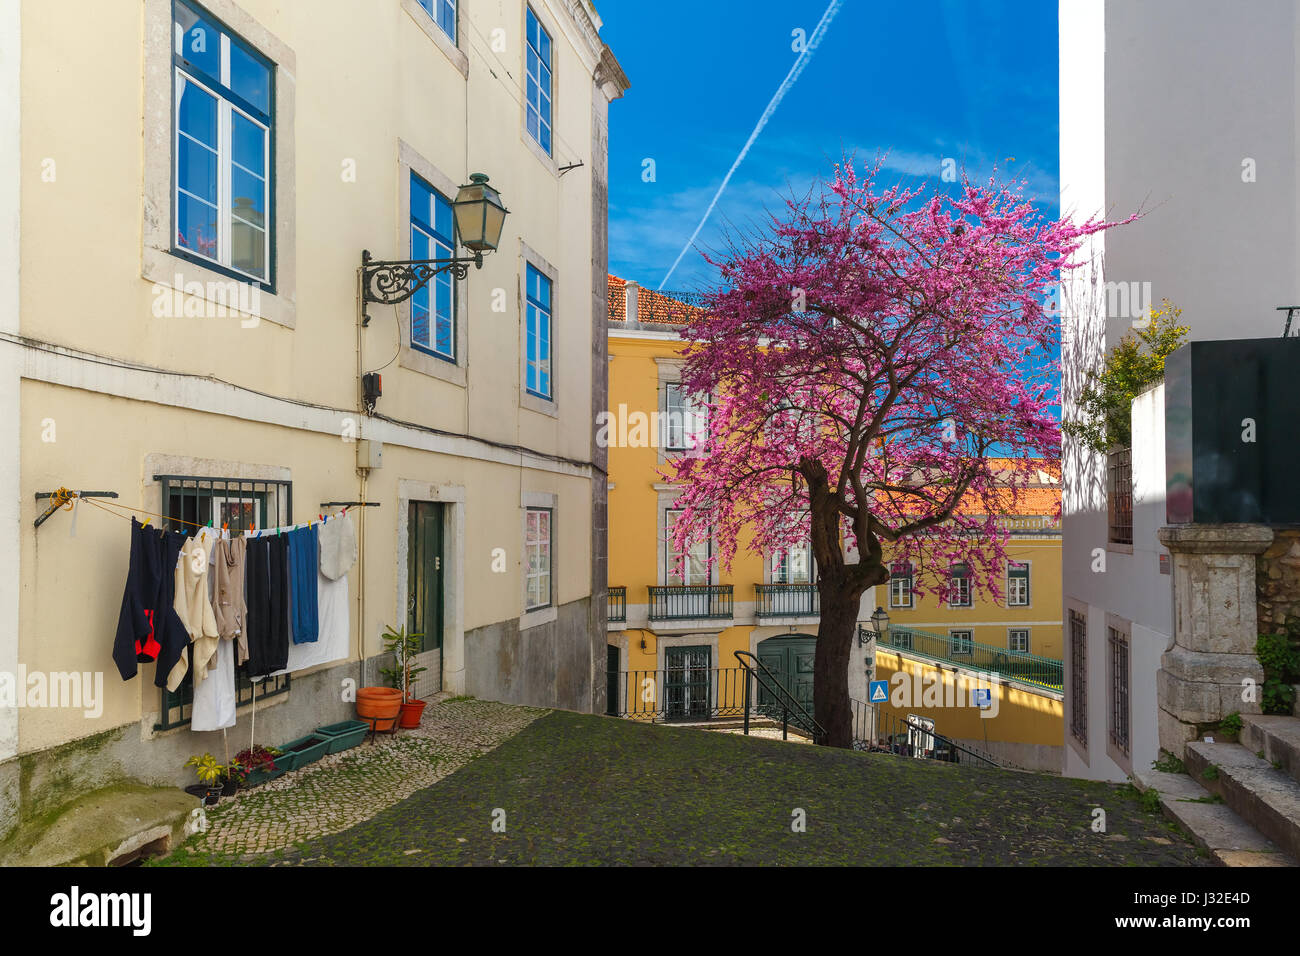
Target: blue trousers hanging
x=304, y=560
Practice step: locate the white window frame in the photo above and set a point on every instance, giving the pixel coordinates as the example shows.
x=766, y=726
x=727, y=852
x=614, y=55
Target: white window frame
x=549, y=91
x=956, y=643
x=690, y=421
x=894, y=602
x=963, y=596
x=545, y=547
x=1011, y=640
x=225, y=164
x=779, y=565
x=1028, y=595
x=670, y=555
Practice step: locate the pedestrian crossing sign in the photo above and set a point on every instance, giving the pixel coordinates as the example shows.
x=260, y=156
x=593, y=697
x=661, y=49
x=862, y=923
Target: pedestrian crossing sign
x=879, y=693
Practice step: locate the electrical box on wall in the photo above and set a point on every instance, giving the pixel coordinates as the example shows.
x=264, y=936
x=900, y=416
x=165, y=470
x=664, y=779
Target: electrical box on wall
x=370, y=454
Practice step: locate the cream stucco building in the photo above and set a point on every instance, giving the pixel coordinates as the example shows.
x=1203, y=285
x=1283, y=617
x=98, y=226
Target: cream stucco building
x=162, y=161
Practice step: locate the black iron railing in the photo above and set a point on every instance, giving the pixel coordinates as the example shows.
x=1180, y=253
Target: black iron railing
x=679, y=694
x=1119, y=500
x=239, y=505
x=876, y=731
x=775, y=700
x=616, y=604
x=690, y=602
x=786, y=600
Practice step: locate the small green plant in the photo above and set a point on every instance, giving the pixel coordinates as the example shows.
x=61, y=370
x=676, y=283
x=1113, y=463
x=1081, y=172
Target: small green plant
x=1168, y=763
x=404, y=648
x=1135, y=364
x=1211, y=772
x=1231, y=725
x=1210, y=798
x=1281, y=663
x=207, y=769
x=1149, y=800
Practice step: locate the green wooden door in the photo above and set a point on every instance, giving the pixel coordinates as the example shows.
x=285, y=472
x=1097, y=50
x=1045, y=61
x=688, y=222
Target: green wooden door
x=424, y=573
x=688, y=683
x=790, y=659
x=613, y=706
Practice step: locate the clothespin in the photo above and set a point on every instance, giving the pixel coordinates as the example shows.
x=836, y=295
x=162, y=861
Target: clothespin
x=146, y=521
x=225, y=526
x=322, y=518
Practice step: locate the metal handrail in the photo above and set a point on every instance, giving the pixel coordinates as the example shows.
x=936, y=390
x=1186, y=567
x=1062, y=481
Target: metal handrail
x=788, y=701
x=881, y=719
x=1020, y=666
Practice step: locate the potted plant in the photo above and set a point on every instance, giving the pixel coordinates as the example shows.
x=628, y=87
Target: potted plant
x=401, y=676
x=380, y=706
x=256, y=765
x=210, y=774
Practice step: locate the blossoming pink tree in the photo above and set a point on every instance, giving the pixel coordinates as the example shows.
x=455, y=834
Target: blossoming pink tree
x=863, y=366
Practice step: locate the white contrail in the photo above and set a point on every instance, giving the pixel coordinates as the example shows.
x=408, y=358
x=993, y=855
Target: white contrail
x=777, y=97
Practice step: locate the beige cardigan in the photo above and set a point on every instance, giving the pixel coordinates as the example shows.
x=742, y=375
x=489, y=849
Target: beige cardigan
x=228, y=593
x=194, y=608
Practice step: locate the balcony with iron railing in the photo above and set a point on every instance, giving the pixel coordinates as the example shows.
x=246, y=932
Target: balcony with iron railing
x=691, y=602
x=616, y=605
x=786, y=600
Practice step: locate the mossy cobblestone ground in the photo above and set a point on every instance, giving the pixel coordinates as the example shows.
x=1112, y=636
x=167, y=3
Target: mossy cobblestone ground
x=343, y=789
x=573, y=789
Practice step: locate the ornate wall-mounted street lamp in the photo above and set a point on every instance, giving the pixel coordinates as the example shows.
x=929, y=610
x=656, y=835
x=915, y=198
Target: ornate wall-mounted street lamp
x=879, y=621
x=480, y=216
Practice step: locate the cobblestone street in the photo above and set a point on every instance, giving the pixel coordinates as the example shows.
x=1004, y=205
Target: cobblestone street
x=482, y=783
x=343, y=789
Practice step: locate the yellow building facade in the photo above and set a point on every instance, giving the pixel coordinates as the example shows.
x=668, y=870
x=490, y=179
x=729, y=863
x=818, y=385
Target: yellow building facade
x=673, y=635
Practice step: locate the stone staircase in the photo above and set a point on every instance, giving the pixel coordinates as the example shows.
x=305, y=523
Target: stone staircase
x=1241, y=801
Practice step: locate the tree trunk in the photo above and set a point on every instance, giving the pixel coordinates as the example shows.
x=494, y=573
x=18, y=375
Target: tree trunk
x=835, y=636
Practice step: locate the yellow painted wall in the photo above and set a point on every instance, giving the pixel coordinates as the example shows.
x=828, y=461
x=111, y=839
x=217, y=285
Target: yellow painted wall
x=990, y=620
x=1023, y=716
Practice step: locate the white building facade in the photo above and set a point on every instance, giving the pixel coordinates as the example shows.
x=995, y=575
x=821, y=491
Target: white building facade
x=1183, y=111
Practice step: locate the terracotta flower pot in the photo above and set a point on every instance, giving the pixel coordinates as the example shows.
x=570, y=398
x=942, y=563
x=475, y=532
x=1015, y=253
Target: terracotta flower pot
x=380, y=704
x=412, y=710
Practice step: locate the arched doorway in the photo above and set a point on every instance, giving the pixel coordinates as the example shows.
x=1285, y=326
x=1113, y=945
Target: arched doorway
x=790, y=657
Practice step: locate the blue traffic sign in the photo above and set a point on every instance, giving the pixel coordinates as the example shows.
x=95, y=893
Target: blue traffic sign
x=981, y=697
x=879, y=693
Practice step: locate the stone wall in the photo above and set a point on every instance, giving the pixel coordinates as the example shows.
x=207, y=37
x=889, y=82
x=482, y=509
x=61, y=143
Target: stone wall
x=1277, y=581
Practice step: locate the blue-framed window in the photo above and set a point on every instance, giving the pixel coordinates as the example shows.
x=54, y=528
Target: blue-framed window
x=433, y=236
x=537, y=107
x=222, y=147
x=444, y=12
x=538, y=345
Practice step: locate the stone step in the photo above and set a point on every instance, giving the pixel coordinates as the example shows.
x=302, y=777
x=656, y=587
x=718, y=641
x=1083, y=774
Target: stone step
x=1214, y=826
x=1267, y=799
x=1277, y=737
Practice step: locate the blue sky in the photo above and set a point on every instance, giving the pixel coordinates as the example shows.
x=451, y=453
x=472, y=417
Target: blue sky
x=974, y=80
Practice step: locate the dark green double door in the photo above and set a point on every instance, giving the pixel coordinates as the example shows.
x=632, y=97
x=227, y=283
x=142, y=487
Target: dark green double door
x=424, y=595
x=790, y=659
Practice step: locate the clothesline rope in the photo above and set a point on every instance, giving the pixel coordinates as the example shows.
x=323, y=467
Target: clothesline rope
x=65, y=499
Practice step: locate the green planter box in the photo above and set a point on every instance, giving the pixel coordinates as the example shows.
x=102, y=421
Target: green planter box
x=297, y=754
x=257, y=777
x=345, y=735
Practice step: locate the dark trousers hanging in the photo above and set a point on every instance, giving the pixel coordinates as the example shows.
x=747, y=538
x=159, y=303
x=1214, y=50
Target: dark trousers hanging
x=266, y=587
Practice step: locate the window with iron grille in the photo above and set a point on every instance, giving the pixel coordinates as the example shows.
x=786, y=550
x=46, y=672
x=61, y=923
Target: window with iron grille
x=1017, y=584
x=900, y=585
x=240, y=505
x=901, y=639
x=1119, y=497
x=1079, y=677
x=1117, y=677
